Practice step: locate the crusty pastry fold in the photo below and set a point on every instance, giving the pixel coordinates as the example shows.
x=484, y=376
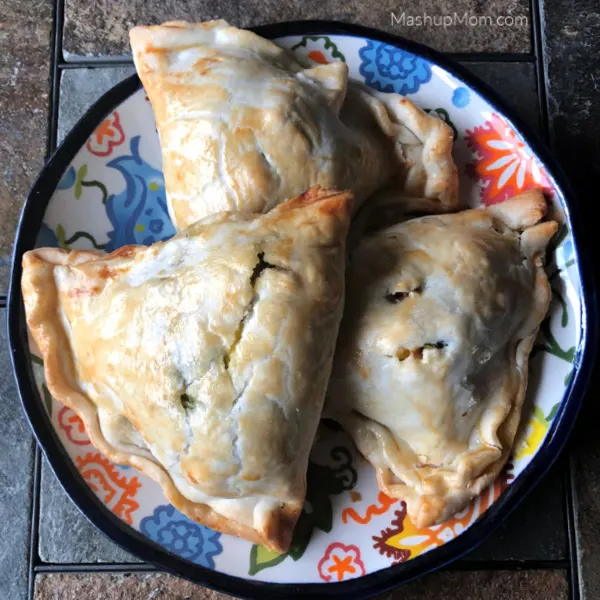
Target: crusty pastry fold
x=243, y=125
x=431, y=366
x=203, y=360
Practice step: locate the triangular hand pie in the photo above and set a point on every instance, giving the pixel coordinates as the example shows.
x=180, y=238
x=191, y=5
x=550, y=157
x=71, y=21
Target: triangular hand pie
x=203, y=361
x=243, y=124
x=430, y=370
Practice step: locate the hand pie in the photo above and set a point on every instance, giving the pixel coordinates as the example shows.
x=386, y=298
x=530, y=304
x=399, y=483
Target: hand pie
x=243, y=125
x=423, y=176
x=203, y=361
x=430, y=370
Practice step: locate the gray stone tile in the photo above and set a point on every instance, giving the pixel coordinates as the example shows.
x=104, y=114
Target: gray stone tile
x=585, y=461
x=486, y=585
x=80, y=88
x=571, y=40
x=16, y=475
x=24, y=85
x=100, y=29
x=516, y=84
x=65, y=535
x=121, y=586
x=536, y=530
x=482, y=585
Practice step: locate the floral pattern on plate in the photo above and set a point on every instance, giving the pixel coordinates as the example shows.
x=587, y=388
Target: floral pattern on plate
x=113, y=194
x=182, y=536
x=390, y=69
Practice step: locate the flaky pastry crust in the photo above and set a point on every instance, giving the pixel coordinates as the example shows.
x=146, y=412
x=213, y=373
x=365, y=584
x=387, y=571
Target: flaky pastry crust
x=431, y=367
x=243, y=124
x=203, y=361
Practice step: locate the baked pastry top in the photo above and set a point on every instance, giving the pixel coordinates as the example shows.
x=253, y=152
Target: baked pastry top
x=430, y=370
x=243, y=125
x=203, y=360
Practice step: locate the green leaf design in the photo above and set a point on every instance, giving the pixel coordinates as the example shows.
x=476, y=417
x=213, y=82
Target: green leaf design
x=568, y=377
x=538, y=414
x=550, y=416
x=552, y=345
x=443, y=114
x=322, y=482
x=60, y=236
x=81, y=173
x=262, y=558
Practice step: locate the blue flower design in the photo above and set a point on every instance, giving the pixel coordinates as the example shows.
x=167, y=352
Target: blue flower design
x=461, y=97
x=180, y=535
x=140, y=209
x=46, y=238
x=67, y=180
x=389, y=69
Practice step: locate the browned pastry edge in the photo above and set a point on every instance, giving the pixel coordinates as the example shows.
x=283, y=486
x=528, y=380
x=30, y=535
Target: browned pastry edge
x=60, y=374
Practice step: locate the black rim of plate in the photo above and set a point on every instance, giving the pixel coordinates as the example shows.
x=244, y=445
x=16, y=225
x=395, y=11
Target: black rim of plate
x=373, y=583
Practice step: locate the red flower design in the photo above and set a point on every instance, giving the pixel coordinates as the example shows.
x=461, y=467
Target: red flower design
x=73, y=426
x=341, y=562
x=116, y=491
x=107, y=135
x=503, y=163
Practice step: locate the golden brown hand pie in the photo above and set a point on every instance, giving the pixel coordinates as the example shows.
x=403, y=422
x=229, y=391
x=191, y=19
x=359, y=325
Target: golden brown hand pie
x=203, y=361
x=430, y=370
x=243, y=125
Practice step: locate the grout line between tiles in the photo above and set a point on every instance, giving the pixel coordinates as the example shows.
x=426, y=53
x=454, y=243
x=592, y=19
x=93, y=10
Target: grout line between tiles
x=103, y=63
x=464, y=565
x=117, y=61
x=35, y=511
x=55, y=85
x=542, y=89
x=96, y=568
x=574, y=581
x=56, y=52
x=540, y=71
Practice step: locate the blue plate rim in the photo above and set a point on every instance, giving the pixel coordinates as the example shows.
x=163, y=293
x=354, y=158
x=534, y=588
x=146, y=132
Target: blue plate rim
x=373, y=583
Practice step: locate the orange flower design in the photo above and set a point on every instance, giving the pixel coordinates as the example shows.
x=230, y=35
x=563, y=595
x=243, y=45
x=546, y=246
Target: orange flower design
x=340, y=562
x=318, y=57
x=402, y=539
x=503, y=163
x=107, y=135
x=73, y=426
x=383, y=505
x=116, y=491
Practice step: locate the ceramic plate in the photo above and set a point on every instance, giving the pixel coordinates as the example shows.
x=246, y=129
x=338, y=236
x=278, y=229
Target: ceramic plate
x=104, y=188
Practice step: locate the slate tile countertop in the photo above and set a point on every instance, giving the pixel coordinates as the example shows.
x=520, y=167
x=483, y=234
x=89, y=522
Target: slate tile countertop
x=58, y=56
